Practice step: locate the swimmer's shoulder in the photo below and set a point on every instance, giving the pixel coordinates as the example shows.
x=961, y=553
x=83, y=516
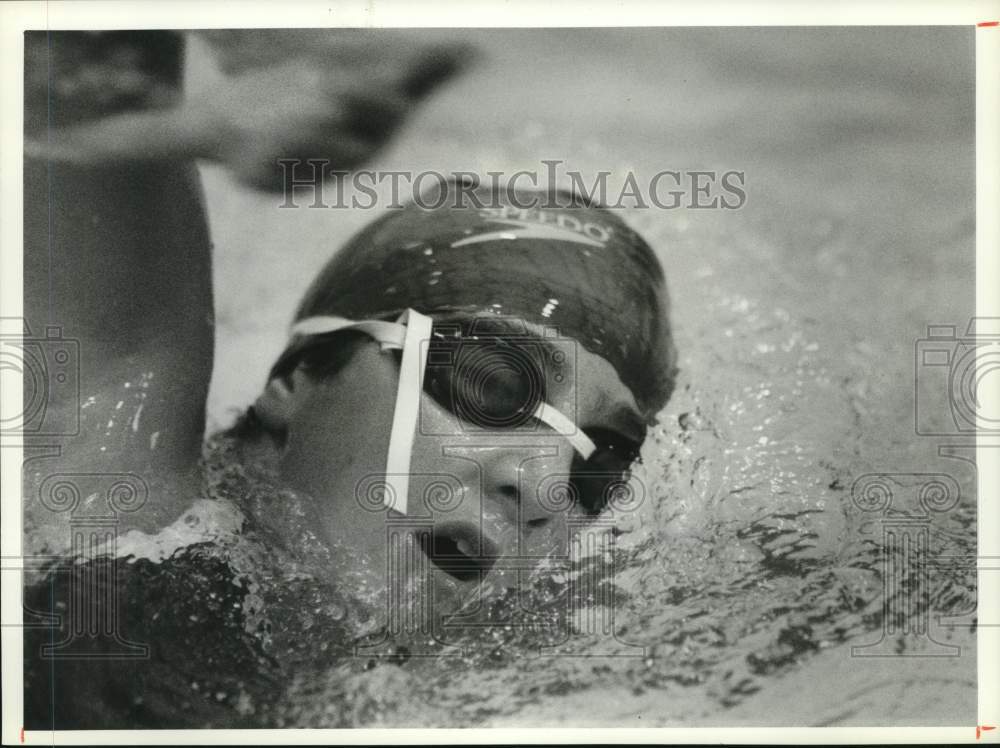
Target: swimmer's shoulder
x=176, y=642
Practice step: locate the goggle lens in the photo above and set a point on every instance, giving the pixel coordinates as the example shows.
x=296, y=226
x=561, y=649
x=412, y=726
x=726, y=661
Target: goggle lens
x=490, y=383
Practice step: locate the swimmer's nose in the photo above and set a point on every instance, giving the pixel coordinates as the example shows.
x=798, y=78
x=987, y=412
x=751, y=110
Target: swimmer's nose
x=517, y=483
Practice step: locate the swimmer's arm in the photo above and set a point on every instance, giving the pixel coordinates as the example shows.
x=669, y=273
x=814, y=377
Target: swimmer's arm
x=117, y=273
x=117, y=252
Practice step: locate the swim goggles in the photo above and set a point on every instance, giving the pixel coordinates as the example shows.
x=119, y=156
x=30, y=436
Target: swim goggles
x=488, y=396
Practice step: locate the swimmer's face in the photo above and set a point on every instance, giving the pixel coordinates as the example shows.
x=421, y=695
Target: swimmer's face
x=483, y=494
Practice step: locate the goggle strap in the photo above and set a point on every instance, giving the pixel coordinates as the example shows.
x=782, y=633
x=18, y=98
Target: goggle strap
x=408, y=333
x=404, y=419
x=563, y=425
x=389, y=334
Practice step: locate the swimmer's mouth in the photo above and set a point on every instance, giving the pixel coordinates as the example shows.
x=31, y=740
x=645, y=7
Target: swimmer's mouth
x=461, y=550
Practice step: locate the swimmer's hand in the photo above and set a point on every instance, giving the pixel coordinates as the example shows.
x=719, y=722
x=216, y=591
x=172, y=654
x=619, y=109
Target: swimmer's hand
x=298, y=110
x=304, y=108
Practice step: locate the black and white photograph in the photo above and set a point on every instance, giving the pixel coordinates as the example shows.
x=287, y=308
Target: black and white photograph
x=511, y=374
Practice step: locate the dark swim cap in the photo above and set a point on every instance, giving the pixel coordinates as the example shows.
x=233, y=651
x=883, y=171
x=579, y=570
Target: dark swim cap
x=565, y=264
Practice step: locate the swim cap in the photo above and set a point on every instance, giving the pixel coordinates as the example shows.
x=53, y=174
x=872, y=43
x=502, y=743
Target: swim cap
x=566, y=265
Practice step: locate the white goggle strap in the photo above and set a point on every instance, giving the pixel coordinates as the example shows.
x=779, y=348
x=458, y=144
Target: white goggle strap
x=411, y=332
x=563, y=425
x=389, y=334
x=404, y=420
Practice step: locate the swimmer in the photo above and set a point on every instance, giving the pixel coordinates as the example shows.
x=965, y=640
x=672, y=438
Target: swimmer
x=487, y=349
x=497, y=348
x=482, y=348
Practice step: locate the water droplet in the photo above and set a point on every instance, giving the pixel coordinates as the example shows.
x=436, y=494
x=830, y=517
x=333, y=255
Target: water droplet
x=399, y=655
x=336, y=612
